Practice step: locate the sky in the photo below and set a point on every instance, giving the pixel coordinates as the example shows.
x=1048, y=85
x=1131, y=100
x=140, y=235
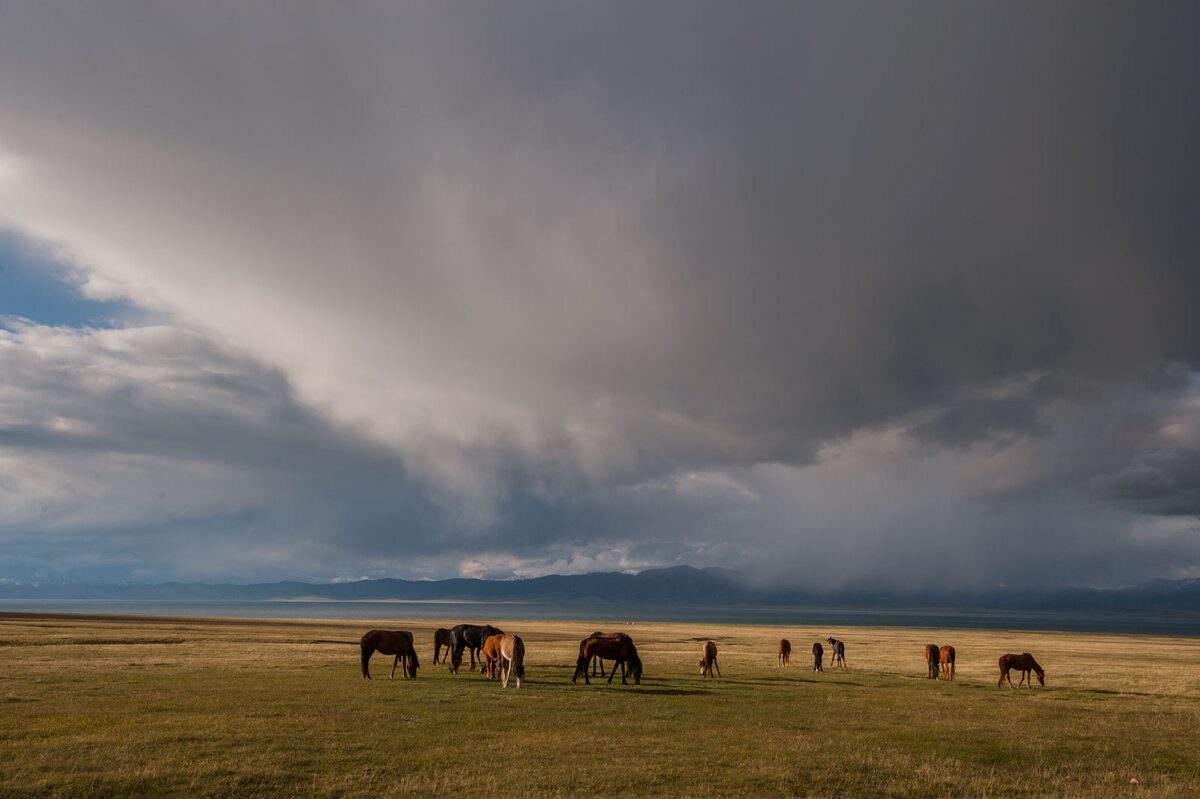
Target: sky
x=833, y=295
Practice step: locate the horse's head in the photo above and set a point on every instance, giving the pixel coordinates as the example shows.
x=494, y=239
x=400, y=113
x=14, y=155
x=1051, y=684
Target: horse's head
x=635, y=667
x=413, y=663
x=580, y=668
x=1041, y=675
x=455, y=660
x=703, y=670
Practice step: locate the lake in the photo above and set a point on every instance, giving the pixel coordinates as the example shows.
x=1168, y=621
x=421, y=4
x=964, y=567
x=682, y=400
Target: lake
x=824, y=618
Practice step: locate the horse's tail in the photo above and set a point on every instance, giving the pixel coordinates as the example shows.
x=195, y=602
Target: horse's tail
x=437, y=645
x=367, y=651
x=518, y=660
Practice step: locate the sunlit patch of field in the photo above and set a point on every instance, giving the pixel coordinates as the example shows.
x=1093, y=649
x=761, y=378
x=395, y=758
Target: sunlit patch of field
x=96, y=706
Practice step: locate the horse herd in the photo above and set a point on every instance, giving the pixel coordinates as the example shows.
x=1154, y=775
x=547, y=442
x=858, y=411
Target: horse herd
x=502, y=655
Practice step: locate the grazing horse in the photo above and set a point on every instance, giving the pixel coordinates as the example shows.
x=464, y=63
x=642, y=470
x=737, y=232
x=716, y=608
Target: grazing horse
x=1023, y=663
x=709, y=661
x=614, y=646
x=932, y=658
x=946, y=656
x=818, y=653
x=512, y=658
x=390, y=642
x=598, y=661
x=785, y=652
x=491, y=656
x=837, y=652
x=470, y=637
x=441, y=638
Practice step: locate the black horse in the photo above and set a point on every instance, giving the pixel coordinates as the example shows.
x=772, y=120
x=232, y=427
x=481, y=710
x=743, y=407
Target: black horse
x=470, y=637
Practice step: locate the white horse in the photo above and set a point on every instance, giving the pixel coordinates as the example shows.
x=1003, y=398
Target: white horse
x=512, y=659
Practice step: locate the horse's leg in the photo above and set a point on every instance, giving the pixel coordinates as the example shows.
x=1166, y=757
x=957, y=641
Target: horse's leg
x=472, y=658
x=505, y=667
x=394, y=662
x=716, y=666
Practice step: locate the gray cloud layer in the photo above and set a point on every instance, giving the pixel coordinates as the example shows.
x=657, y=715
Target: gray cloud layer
x=623, y=284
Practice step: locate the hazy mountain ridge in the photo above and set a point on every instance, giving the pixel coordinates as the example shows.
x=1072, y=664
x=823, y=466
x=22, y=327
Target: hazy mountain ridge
x=683, y=585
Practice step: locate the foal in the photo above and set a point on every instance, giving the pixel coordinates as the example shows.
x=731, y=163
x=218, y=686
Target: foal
x=838, y=652
x=785, y=652
x=818, y=653
x=709, y=661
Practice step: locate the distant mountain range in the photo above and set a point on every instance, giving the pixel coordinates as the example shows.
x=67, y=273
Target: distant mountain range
x=680, y=585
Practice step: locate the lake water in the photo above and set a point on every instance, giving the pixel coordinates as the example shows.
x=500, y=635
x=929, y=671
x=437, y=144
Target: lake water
x=824, y=618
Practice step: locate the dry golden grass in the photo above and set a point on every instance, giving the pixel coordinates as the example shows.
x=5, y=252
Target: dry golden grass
x=97, y=706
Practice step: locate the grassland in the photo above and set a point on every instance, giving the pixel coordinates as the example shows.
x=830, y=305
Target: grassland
x=95, y=706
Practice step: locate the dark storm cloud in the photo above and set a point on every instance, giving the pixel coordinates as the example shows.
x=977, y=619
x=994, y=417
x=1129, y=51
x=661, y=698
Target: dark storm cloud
x=979, y=419
x=1166, y=483
x=583, y=269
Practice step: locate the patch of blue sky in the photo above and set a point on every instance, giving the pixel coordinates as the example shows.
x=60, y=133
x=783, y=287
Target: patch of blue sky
x=36, y=286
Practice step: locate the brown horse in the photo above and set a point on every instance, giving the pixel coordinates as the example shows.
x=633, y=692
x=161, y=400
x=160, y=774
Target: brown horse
x=597, y=662
x=932, y=658
x=614, y=646
x=818, y=653
x=837, y=652
x=946, y=656
x=441, y=638
x=491, y=655
x=1023, y=663
x=512, y=659
x=785, y=652
x=390, y=642
x=709, y=661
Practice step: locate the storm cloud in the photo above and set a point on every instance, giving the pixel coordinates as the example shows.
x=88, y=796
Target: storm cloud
x=824, y=293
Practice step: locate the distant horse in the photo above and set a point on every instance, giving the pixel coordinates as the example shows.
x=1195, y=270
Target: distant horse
x=470, y=637
x=837, y=653
x=932, y=658
x=390, y=642
x=615, y=646
x=1023, y=663
x=818, y=653
x=441, y=638
x=946, y=656
x=512, y=658
x=785, y=652
x=491, y=655
x=709, y=661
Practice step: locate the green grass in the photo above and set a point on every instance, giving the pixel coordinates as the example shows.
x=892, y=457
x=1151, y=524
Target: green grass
x=152, y=707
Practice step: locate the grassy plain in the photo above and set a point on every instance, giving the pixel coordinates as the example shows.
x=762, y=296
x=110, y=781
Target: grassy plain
x=104, y=706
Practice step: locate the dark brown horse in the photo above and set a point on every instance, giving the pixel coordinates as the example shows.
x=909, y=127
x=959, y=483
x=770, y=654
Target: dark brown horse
x=441, y=638
x=390, y=642
x=837, y=653
x=470, y=637
x=932, y=658
x=614, y=646
x=946, y=656
x=709, y=660
x=1023, y=663
x=597, y=662
x=785, y=652
x=818, y=653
